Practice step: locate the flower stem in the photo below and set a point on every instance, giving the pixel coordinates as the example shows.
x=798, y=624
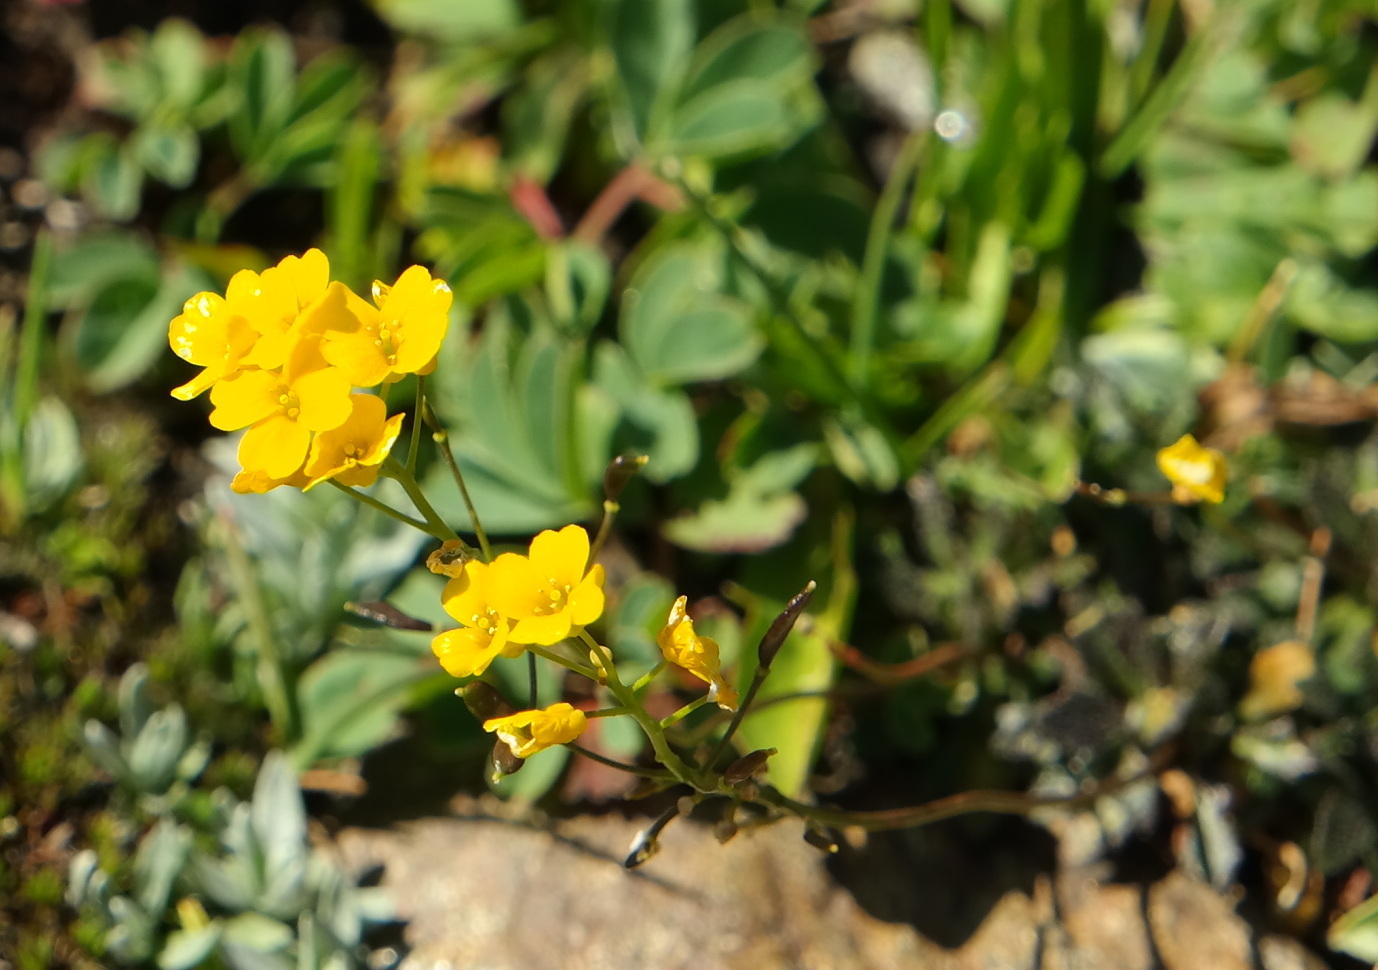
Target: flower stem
x=684, y=712
x=441, y=437
x=647, y=677
x=666, y=755
x=619, y=765
x=383, y=507
x=435, y=525
x=571, y=665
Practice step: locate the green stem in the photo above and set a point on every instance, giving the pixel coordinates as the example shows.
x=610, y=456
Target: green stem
x=435, y=525
x=757, y=679
x=610, y=510
x=380, y=506
x=683, y=712
x=666, y=755
x=607, y=712
x=873, y=263
x=619, y=765
x=533, y=690
x=441, y=437
x=647, y=677
x=571, y=665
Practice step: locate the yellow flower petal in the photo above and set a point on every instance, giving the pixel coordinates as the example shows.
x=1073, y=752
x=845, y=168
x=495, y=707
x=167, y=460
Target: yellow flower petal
x=1197, y=474
x=466, y=652
x=275, y=447
x=684, y=648
x=245, y=399
x=547, y=594
x=528, y=732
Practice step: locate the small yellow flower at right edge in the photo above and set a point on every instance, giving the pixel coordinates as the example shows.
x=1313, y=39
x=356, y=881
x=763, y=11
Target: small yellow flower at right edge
x=684, y=648
x=528, y=732
x=1197, y=473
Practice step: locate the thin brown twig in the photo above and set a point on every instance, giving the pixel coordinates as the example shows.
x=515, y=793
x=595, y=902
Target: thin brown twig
x=627, y=186
x=898, y=673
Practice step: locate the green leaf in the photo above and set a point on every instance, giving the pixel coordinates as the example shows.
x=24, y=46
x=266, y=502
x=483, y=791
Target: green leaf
x=279, y=816
x=177, y=52
x=805, y=665
x=262, y=68
x=53, y=455
x=124, y=331
x=657, y=423
x=678, y=326
x=734, y=119
x=577, y=281
x=112, y=182
x=186, y=949
x=777, y=54
x=650, y=44
x=537, y=115
x=1356, y=932
x=349, y=701
x=154, y=755
x=97, y=260
x=158, y=863
x=256, y=932
x=168, y=154
x=468, y=22
x=746, y=521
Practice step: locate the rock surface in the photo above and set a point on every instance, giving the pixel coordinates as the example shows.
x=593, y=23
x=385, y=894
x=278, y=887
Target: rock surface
x=483, y=891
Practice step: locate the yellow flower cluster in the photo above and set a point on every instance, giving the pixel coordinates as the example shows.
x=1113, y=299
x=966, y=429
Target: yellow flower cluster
x=516, y=601
x=539, y=599
x=283, y=354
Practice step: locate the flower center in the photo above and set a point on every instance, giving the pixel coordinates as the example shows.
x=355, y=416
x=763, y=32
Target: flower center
x=287, y=403
x=556, y=593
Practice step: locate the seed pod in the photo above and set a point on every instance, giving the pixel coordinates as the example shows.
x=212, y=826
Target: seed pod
x=484, y=701
x=504, y=761
x=747, y=766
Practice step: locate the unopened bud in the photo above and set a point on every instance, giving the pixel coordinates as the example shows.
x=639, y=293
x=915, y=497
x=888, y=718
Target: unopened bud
x=724, y=829
x=747, y=766
x=821, y=839
x=620, y=471
x=781, y=626
x=484, y=701
x=504, y=761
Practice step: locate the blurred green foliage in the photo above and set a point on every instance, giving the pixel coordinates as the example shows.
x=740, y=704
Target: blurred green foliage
x=869, y=332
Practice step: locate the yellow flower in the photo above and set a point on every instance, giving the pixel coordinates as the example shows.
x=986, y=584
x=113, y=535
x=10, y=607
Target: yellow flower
x=402, y=336
x=1197, y=473
x=528, y=732
x=547, y=592
x=469, y=650
x=278, y=301
x=211, y=335
x=680, y=645
x=281, y=409
x=351, y=453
